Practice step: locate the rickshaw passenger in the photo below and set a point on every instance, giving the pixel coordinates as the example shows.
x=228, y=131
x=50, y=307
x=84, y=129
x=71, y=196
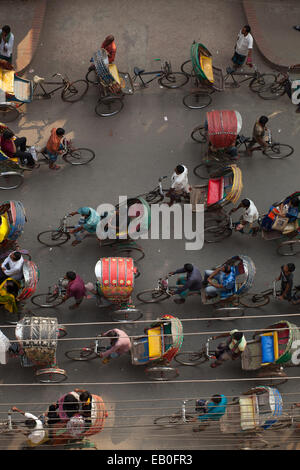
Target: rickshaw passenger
x=16, y=148
x=120, y=344
x=191, y=282
x=231, y=349
x=87, y=223
x=12, y=266
x=221, y=280
x=249, y=217
x=110, y=46
x=289, y=210
x=212, y=410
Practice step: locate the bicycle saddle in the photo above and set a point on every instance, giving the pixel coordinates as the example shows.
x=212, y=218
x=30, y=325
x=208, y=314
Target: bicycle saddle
x=137, y=71
x=38, y=79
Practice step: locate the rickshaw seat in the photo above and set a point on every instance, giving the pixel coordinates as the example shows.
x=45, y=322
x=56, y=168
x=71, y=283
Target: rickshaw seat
x=137, y=71
x=7, y=81
x=248, y=407
x=155, y=342
x=269, y=347
x=215, y=190
x=114, y=72
x=206, y=65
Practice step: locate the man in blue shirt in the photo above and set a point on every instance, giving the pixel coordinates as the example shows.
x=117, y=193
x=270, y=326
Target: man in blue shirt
x=210, y=411
x=191, y=282
x=221, y=281
x=87, y=223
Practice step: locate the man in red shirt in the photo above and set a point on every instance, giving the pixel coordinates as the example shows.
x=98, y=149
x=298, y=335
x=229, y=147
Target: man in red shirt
x=75, y=288
x=110, y=46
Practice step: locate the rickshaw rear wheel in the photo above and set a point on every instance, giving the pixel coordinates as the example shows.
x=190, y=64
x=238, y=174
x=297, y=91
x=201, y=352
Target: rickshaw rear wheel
x=47, y=300
x=132, y=252
x=199, y=135
x=161, y=373
x=254, y=300
x=263, y=81
x=126, y=315
x=109, y=106
x=216, y=231
x=187, y=68
x=174, y=80
x=51, y=375
x=8, y=113
x=289, y=248
x=152, y=296
x=206, y=169
x=170, y=421
x=197, y=100
x=81, y=354
x=284, y=422
x=11, y=180
x=75, y=91
x=191, y=358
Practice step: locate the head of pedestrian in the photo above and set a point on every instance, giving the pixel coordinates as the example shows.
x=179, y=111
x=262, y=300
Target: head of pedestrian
x=60, y=132
x=7, y=134
x=246, y=30
x=5, y=31
x=263, y=120
x=246, y=203
x=188, y=267
x=216, y=399
x=16, y=255
x=70, y=275
x=179, y=169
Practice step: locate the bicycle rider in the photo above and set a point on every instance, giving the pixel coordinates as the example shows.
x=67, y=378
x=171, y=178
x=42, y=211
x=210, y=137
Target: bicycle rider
x=87, y=223
x=231, y=349
x=212, y=410
x=249, y=217
x=191, y=282
x=260, y=135
x=55, y=147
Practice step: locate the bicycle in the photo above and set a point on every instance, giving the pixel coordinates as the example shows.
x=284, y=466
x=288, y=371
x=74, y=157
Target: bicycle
x=281, y=85
x=258, y=79
x=72, y=155
x=71, y=91
x=88, y=353
x=159, y=193
x=179, y=418
x=165, y=76
x=160, y=293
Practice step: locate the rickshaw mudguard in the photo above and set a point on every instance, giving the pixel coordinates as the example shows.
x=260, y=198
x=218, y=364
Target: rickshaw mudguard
x=98, y=416
x=31, y=277
x=17, y=219
x=222, y=128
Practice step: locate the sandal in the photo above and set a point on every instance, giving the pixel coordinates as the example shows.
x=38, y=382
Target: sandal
x=75, y=242
x=54, y=167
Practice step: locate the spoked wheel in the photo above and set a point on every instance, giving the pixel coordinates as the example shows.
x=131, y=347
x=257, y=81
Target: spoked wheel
x=11, y=180
x=174, y=80
x=187, y=68
x=285, y=421
x=197, y=100
x=8, y=113
x=191, y=358
x=91, y=76
x=271, y=91
x=152, y=296
x=230, y=312
x=13, y=318
x=109, y=106
x=273, y=379
x=80, y=156
x=254, y=300
x=279, y=151
x=81, y=354
x=53, y=237
x=171, y=421
x=47, y=300
x=134, y=252
x=264, y=81
x=51, y=375
x=206, y=169
x=153, y=197
x=126, y=315
x=161, y=373
x=199, y=135
x=289, y=248
x=216, y=230
x=75, y=91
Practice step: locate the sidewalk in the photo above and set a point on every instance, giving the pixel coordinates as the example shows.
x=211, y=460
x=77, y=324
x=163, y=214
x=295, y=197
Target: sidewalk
x=25, y=17
x=272, y=24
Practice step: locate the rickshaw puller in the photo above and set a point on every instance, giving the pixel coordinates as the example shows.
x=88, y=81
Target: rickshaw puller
x=212, y=410
x=192, y=281
x=249, y=217
x=87, y=223
x=232, y=349
x=120, y=344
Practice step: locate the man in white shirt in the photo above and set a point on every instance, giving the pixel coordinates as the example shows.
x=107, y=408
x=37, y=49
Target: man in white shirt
x=6, y=43
x=179, y=184
x=12, y=266
x=249, y=217
x=37, y=434
x=243, y=48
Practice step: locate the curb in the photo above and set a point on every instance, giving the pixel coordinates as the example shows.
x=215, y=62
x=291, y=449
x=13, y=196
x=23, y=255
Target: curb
x=28, y=46
x=259, y=38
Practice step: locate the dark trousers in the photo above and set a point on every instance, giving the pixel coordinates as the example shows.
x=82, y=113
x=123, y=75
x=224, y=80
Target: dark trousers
x=25, y=157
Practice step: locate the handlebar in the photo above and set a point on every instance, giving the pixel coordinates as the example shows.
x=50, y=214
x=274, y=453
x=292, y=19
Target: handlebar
x=207, y=346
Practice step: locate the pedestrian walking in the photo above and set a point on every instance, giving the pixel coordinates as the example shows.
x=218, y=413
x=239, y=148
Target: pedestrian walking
x=243, y=48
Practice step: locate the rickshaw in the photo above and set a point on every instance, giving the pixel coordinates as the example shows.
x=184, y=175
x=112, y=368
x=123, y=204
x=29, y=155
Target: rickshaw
x=113, y=85
x=36, y=347
x=25, y=287
x=14, y=92
x=257, y=410
x=59, y=434
x=220, y=132
x=206, y=77
x=13, y=218
x=114, y=287
x=155, y=349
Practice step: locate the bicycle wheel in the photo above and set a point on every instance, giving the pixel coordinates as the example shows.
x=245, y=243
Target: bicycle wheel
x=47, y=300
x=80, y=156
x=191, y=358
x=53, y=237
x=199, y=135
x=161, y=373
x=51, y=375
x=75, y=91
x=279, y=151
x=81, y=354
x=263, y=81
x=173, y=80
x=91, y=76
x=171, y=421
x=154, y=197
x=8, y=113
x=187, y=68
x=289, y=248
x=197, y=100
x=11, y=180
x=206, y=169
x=151, y=296
x=126, y=315
x=216, y=232
x=254, y=300
x=271, y=91
x=109, y=106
